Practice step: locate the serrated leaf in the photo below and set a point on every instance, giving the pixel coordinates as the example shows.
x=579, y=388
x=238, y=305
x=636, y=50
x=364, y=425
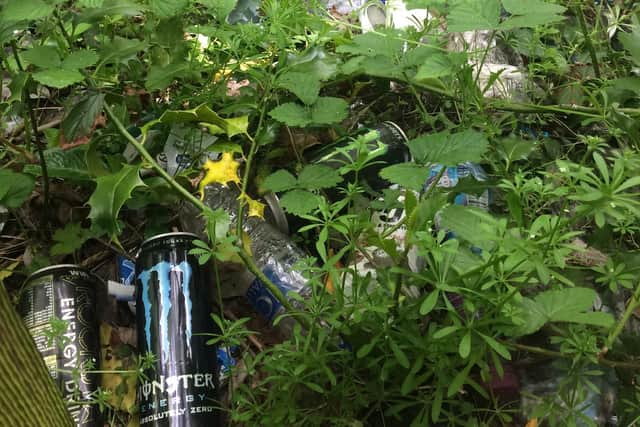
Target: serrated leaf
x=42, y=56
x=111, y=192
x=299, y=202
x=329, y=110
x=373, y=44
x=471, y=15
x=15, y=188
x=280, y=180
x=436, y=65
x=526, y=7
x=19, y=10
x=303, y=85
x=315, y=177
x=429, y=302
x=66, y=164
x=471, y=224
x=160, y=77
x=291, y=114
x=69, y=239
x=449, y=149
x=464, y=348
x=120, y=50
x=80, y=59
x=407, y=175
x=167, y=8
x=58, y=78
x=80, y=119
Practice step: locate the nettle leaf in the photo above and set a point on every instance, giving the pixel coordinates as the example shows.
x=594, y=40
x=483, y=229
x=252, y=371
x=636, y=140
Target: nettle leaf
x=531, y=13
x=437, y=65
x=280, y=180
x=111, y=192
x=19, y=10
x=299, y=202
x=80, y=59
x=471, y=224
x=58, y=78
x=406, y=175
x=329, y=110
x=471, y=15
x=291, y=114
x=571, y=305
x=449, y=149
x=69, y=239
x=315, y=177
x=303, y=85
x=120, y=50
x=372, y=44
x=167, y=9
x=80, y=119
x=15, y=188
x=42, y=56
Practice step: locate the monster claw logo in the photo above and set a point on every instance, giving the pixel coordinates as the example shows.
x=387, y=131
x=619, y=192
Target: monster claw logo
x=174, y=277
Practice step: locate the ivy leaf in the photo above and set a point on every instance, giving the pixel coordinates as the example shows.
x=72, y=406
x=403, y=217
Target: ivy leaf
x=449, y=149
x=329, y=110
x=82, y=116
x=407, y=175
x=42, y=56
x=471, y=15
x=303, y=85
x=69, y=239
x=58, y=78
x=110, y=195
x=291, y=114
x=315, y=177
x=19, y=10
x=80, y=59
x=299, y=202
x=15, y=188
x=280, y=180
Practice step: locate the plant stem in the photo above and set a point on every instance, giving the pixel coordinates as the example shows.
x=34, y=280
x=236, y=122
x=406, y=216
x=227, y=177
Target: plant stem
x=633, y=304
x=246, y=258
x=587, y=40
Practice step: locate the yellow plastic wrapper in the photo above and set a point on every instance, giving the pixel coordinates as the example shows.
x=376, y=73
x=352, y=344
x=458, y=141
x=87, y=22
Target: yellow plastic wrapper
x=121, y=385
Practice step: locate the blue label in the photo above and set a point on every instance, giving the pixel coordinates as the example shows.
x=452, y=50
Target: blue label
x=225, y=360
x=126, y=270
x=262, y=300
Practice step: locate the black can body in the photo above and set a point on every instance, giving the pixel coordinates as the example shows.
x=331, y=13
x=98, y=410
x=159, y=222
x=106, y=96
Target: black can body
x=67, y=292
x=393, y=140
x=173, y=316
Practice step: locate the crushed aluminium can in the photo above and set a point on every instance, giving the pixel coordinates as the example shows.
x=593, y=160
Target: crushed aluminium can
x=173, y=318
x=67, y=292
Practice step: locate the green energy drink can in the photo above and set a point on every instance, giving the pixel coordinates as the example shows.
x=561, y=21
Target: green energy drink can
x=174, y=324
x=66, y=293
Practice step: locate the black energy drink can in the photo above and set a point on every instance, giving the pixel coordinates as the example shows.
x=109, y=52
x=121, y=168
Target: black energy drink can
x=173, y=318
x=67, y=292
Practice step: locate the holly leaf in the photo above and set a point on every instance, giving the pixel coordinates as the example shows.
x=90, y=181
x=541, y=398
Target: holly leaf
x=303, y=85
x=406, y=175
x=449, y=149
x=315, y=177
x=15, y=188
x=111, y=192
x=291, y=114
x=58, y=78
x=80, y=119
x=299, y=202
x=279, y=181
x=69, y=239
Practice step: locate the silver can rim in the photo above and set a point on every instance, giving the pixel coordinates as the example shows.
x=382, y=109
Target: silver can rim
x=166, y=235
x=398, y=128
x=52, y=268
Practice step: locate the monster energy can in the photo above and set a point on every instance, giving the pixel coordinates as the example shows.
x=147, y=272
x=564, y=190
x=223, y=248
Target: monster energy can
x=173, y=317
x=68, y=293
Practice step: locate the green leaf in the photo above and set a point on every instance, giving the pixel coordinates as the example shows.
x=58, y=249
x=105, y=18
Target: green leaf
x=111, y=192
x=449, y=149
x=366, y=349
x=399, y=354
x=407, y=175
x=18, y=81
x=90, y=3
x=221, y=8
x=315, y=177
x=19, y=10
x=459, y=380
x=446, y=331
x=69, y=239
x=291, y=114
x=58, y=78
x=528, y=7
x=66, y=164
x=372, y=44
x=299, y=202
x=329, y=110
x=631, y=42
x=80, y=119
x=167, y=8
x=120, y=50
x=42, y=56
x=303, y=85
x=161, y=77
x=471, y=15
x=471, y=224
x=496, y=346
x=80, y=59
x=280, y=180
x=464, y=348
x=429, y=302
x=15, y=188
x=436, y=65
